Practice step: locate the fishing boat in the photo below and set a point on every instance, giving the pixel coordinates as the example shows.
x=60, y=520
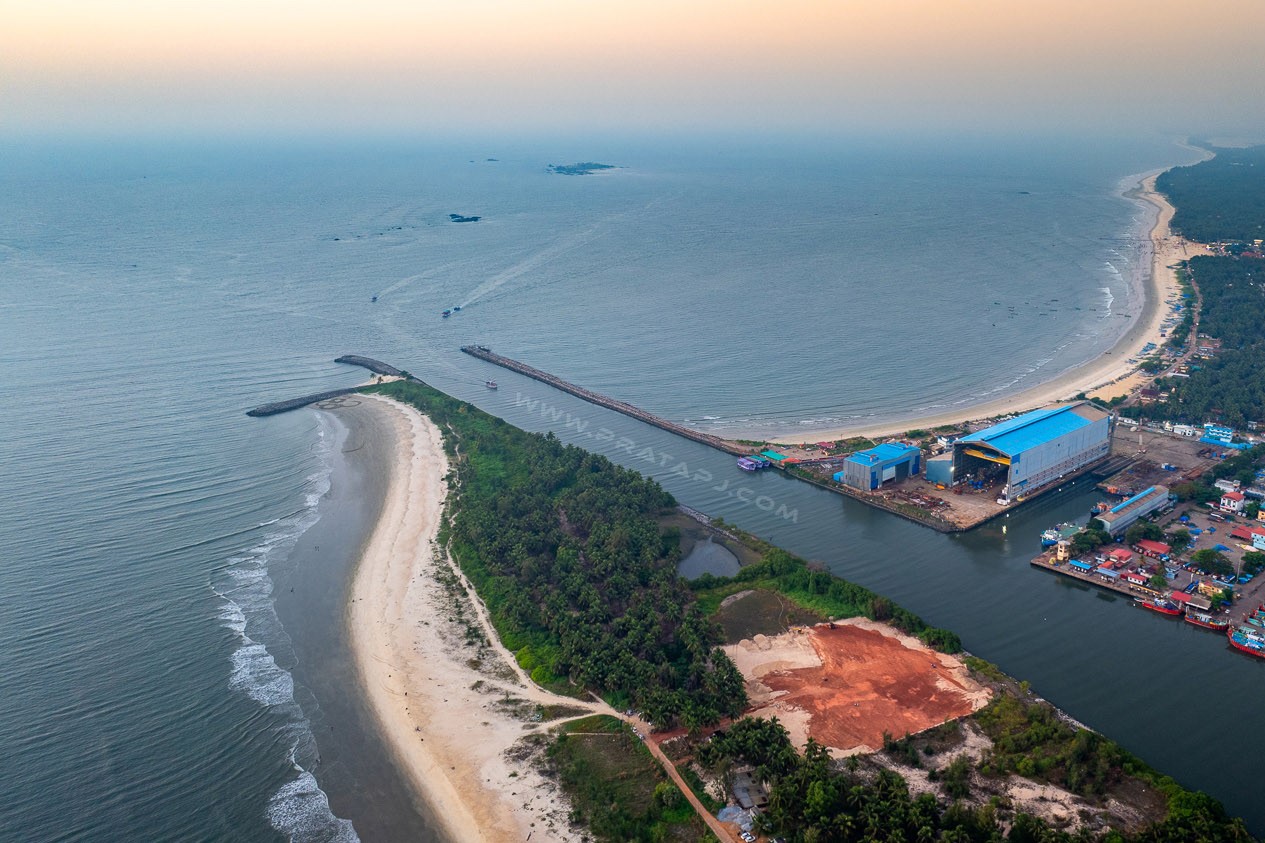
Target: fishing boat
x=490, y=384
x=752, y=463
x=1155, y=604
x=1098, y=509
x=1248, y=642
x=446, y=313
x=457, y=309
x=375, y=298
x=1056, y=534
x=1206, y=620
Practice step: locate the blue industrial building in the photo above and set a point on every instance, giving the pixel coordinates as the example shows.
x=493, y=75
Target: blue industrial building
x=1035, y=450
x=873, y=467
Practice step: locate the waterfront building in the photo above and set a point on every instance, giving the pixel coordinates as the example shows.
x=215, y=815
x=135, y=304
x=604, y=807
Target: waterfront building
x=871, y=468
x=1126, y=513
x=1232, y=502
x=1035, y=450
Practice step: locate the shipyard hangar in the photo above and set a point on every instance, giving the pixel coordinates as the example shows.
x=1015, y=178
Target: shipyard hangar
x=1034, y=451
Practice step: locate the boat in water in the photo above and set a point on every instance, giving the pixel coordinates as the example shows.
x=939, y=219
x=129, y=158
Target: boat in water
x=375, y=298
x=1156, y=604
x=446, y=314
x=1098, y=509
x=457, y=309
x=490, y=384
x=1054, y=535
x=754, y=463
x=1248, y=640
x=1207, y=620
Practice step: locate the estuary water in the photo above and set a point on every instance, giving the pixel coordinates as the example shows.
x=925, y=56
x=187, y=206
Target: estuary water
x=159, y=673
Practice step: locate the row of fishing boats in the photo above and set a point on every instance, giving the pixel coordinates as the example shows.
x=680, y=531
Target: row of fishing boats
x=1190, y=614
x=1248, y=636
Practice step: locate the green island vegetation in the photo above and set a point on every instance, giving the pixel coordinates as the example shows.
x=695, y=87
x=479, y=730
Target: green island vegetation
x=571, y=556
x=1221, y=200
x=582, y=168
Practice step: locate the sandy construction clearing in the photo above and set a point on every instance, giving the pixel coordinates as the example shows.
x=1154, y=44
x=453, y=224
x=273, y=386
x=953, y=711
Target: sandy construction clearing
x=846, y=684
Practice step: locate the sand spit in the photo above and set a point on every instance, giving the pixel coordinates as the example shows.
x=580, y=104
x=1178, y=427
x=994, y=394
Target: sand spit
x=448, y=698
x=1108, y=375
x=845, y=684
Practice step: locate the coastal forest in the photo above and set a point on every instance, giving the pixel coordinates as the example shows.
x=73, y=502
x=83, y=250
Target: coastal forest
x=565, y=549
x=1221, y=200
x=811, y=798
x=567, y=552
x=1230, y=386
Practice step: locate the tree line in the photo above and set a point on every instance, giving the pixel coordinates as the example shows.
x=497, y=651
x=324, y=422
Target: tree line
x=578, y=577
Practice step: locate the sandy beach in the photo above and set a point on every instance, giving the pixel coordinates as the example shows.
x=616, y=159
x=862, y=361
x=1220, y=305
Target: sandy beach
x=1106, y=376
x=461, y=717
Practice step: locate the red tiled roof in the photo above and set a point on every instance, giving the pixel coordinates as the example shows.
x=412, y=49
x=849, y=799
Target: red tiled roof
x=1153, y=546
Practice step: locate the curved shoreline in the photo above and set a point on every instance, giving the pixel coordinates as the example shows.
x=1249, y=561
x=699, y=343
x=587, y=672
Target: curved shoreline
x=1110, y=371
x=451, y=709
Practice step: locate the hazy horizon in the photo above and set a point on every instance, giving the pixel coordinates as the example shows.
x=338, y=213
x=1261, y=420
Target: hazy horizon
x=896, y=66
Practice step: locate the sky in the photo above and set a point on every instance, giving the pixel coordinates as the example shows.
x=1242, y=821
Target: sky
x=1116, y=66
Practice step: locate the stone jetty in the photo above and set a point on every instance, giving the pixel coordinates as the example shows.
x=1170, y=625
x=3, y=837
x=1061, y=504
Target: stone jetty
x=600, y=400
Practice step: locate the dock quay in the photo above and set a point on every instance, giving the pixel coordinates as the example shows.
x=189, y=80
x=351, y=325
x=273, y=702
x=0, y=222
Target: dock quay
x=375, y=366
x=1046, y=562
x=604, y=401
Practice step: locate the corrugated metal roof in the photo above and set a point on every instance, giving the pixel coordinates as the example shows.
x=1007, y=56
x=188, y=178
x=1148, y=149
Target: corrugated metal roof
x=1029, y=430
x=882, y=453
x=1139, y=496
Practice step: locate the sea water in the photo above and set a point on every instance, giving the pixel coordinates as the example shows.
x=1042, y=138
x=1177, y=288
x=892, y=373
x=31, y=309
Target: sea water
x=152, y=292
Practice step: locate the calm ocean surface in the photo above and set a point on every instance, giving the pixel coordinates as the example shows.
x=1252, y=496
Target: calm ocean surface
x=150, y=293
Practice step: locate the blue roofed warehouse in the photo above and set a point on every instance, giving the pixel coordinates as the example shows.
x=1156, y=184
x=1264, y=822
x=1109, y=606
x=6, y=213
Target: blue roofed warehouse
x=1035, y=450
x=873, y=467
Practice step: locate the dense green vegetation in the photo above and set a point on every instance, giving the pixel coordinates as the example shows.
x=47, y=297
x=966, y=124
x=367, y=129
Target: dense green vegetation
x=1229, y=388
x=567, y=552
x=820, y=592
x=564, y=548
x=1221, y=200
x=617, y=789
x=813, y=799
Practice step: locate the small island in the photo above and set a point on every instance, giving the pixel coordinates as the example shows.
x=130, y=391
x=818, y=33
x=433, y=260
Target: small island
x=460, y=218
x=583, y=168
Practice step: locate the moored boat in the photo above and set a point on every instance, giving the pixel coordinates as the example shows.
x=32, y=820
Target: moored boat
x=1164, y=607
x=1206, y=620
x=1057, y=533
x=1247, y=642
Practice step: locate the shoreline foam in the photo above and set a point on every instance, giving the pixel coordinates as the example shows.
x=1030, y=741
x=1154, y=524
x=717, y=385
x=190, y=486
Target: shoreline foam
x=1108, y=374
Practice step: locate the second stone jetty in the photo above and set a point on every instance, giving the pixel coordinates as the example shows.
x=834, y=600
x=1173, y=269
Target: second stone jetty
x=483, y=353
